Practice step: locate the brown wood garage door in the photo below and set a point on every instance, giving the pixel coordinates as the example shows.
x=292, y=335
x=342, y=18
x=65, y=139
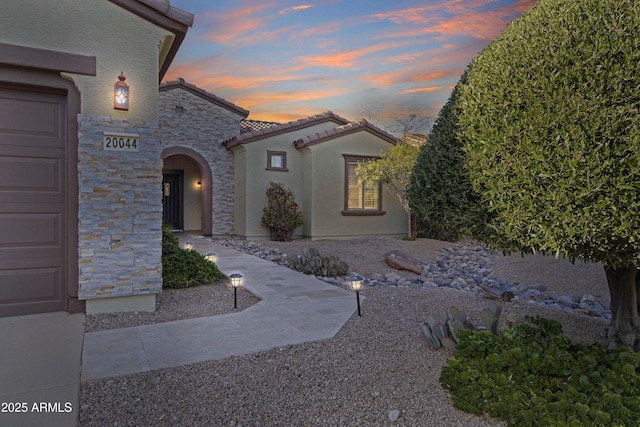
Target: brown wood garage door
x=33, y=202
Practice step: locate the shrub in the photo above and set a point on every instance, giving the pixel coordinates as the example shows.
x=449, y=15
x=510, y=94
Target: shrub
x=310, y=262
x=281, y=215
x=534, y=375
x=184, y=268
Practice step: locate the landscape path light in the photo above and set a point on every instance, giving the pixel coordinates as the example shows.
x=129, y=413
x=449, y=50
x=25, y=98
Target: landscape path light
x=356, y=285
x=188, y=246
x=235, y=282
x=211, y=256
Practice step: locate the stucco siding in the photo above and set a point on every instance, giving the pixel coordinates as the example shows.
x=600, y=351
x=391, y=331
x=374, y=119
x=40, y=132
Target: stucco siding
x=258, y=177
x=201, y=126
x=328, y=188
x=121, y=42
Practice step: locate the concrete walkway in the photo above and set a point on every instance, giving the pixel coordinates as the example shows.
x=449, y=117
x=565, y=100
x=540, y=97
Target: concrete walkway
x=295, y=308
x=40, y=369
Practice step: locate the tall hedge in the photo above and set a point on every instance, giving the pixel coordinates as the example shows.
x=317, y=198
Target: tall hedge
x=550, y=124
x=440, y=191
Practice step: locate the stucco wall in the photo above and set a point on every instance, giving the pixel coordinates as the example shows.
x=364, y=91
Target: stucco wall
x=253, y=165
x=327, y=175
x=119, y=40
x=202, y=126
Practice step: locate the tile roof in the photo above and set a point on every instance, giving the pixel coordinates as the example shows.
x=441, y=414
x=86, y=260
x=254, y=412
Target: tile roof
x=247, y=125
x=244, y=138
x=360, y=125
x=415, y=139
x=181, y=84
x=162, y=14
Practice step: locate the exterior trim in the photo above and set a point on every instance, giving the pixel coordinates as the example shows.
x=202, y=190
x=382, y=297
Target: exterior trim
x=162, y=14
x=359, y=212
x=207, y=182
x=283, y=128
x=181, y=84
x=361, y=125
x=271, y=153
x=44, y=59
x=38, y=78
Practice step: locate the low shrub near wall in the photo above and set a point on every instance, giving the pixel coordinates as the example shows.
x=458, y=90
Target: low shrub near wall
x=184, y=268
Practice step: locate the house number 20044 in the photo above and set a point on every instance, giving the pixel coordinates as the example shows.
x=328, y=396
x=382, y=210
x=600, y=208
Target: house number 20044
x=117, y=142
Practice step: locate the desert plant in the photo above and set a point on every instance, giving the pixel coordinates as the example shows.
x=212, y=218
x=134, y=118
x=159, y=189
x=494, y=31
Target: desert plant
x=444, y=332
x=310, y=262
x=281, y=214
x=533, y=375
x=184, y=268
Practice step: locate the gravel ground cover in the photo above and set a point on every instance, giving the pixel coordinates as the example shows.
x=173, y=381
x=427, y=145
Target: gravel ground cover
x=177, y=304
x=376, y=371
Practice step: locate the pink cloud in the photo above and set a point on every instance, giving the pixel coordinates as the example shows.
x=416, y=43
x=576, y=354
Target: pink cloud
x=295, y=8
x=454, y=18
x=346, y=59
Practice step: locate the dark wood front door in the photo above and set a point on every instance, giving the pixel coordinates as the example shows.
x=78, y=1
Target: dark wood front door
x=33, y=202
x=172, y=208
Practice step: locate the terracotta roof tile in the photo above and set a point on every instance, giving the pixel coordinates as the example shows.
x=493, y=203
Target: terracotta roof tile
x=181, y=84
x=247, y=125
x=360, y=125
x=284, y=128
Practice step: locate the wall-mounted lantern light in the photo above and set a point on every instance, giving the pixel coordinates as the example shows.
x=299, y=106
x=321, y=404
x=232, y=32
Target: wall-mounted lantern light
x=188, y=246
x=121, y=93
x=199, y=185
x=211, y=256
x=235, y=282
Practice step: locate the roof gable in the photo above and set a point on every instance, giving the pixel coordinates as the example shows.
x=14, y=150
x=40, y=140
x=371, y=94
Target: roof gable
x=162, y=14
x=245, y=138
x=181, y=84
x=359, y=126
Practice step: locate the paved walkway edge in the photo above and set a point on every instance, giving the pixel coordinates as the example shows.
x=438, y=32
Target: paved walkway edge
x=295, y=308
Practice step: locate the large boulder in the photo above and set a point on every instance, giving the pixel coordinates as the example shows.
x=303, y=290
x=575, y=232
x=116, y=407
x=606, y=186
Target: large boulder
x=401, y=261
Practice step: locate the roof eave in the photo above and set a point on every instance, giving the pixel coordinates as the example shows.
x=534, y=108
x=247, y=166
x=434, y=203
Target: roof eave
x=162, y=14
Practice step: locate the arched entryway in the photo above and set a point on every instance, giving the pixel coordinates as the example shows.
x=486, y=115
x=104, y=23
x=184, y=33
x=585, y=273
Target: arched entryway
x=187, y=171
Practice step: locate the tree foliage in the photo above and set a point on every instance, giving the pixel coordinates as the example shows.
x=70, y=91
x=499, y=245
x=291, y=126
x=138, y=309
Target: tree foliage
x=551, y=122
x=439, y=190
x=393, y=169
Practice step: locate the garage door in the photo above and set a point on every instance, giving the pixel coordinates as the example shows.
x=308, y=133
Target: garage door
x=33, y=144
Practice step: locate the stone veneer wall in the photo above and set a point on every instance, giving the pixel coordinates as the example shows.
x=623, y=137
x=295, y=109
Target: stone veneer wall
x=120, y=210
x=202, y=126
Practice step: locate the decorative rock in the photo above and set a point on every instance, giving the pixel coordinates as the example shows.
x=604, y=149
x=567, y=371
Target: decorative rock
x=466, y=266
x=393, y=415
x=403, y=263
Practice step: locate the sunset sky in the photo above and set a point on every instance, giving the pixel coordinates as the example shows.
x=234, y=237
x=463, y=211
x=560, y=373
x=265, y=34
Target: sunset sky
x=383, y=60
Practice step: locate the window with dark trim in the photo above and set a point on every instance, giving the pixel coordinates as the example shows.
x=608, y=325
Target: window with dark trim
x=360, y=198
x=277, y=160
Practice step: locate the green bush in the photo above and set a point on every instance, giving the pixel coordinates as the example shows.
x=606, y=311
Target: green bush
x=281, y=214
x=184, y=268
x=533, y=375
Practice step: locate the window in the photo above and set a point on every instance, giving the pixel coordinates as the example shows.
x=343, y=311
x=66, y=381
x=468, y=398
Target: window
x=360, y=198
x=277, y=160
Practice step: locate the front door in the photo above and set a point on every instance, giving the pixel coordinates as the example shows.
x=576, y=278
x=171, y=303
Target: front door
x=172, y=208
x=33, y=202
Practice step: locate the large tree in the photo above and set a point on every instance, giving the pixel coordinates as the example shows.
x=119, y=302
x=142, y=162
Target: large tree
x=549, y=120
